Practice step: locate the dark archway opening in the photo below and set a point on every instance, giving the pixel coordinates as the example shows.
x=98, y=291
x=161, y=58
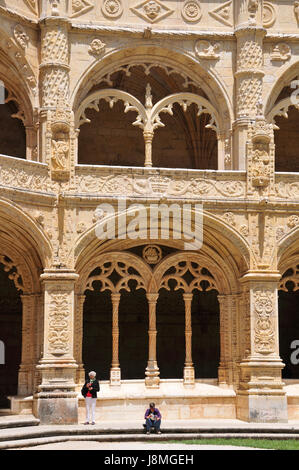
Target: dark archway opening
x=205, y=334
x=11, y=336
x=288, y=304
x=12, y=131
x=286, y=142
x=171, y=334
x=97, y=333
x=133, y=333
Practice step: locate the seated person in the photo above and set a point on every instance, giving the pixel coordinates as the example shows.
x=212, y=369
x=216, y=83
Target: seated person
x=153, y=419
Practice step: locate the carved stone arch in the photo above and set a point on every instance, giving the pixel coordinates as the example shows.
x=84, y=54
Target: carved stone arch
x=288, y=250
x=206, y=78
x=112, y=258
x=22, y=86
x=184, y=259
x=112, y=96
x=287, y=73
x=21, y=232
x=231, y=250
x=21, y=89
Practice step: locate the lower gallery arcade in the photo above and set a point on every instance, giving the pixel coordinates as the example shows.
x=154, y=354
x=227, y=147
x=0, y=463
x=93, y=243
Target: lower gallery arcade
x=156, y=323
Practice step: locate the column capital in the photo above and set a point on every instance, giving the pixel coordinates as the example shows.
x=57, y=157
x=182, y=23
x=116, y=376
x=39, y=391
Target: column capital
x=152, y=297
x=261, y=276
x=188, y=296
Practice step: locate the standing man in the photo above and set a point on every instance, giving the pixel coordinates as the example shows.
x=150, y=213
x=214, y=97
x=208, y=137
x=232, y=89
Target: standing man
x=153, y=419
x=89, y=392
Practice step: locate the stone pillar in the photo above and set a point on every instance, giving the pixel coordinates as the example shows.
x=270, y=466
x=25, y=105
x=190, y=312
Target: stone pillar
x=79, y=339
x=57, y=401
x=260, y=397
x=152, y=373
x=58, y=137
x=115, y=373
x=189, y=374
x=229, y=354
x=29, y=338
x=248, y=72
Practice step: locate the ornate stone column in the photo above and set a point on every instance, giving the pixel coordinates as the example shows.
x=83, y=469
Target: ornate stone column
x=29, y=338
x=152, y=373
x=79, y=339
x=249, y=72
x=260, y=396
x=58, y=137
x=229, y=354
x=57, y=401
x=189, y=375
x=115, y=373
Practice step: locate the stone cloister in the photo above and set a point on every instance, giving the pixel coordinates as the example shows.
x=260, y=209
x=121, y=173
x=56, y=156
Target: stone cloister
x=176, y=103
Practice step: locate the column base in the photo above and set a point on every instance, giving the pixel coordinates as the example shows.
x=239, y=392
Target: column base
x=267, y=408
x=189, y=377
x=115, y=377
x=57, y=408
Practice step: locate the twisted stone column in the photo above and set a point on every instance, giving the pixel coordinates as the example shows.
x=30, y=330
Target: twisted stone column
x=152, y=371
x=189, y=375
x=115, y=372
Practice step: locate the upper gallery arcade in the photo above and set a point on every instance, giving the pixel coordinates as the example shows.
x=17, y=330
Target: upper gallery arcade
x=163, y=101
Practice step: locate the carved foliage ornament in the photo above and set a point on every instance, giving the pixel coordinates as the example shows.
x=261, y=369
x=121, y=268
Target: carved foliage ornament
x=11, y=269
x=290, y=279
x=20, y=36
x=59, y=313
x=264, y=324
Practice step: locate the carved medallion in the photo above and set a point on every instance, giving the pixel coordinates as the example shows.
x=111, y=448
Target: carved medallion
x=151, y=10
x=281, y=52
x=206, y=50
x=97, y=47
x=269, y=15
x=112, y=8
x=152, y=254
x=191, y=11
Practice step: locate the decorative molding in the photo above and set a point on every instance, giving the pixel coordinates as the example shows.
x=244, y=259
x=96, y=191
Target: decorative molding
x=79, y=7
x=269, y=15
x=223, y=13
x=152, y=10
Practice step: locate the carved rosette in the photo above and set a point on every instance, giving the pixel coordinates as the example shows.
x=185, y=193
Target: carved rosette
x=191, y=11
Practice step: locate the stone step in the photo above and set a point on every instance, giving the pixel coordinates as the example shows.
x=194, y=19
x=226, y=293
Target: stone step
x=22, y=443
x=17, y=421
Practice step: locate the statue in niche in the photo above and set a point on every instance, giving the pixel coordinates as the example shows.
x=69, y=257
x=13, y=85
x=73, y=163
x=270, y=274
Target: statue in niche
x=59, y=155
